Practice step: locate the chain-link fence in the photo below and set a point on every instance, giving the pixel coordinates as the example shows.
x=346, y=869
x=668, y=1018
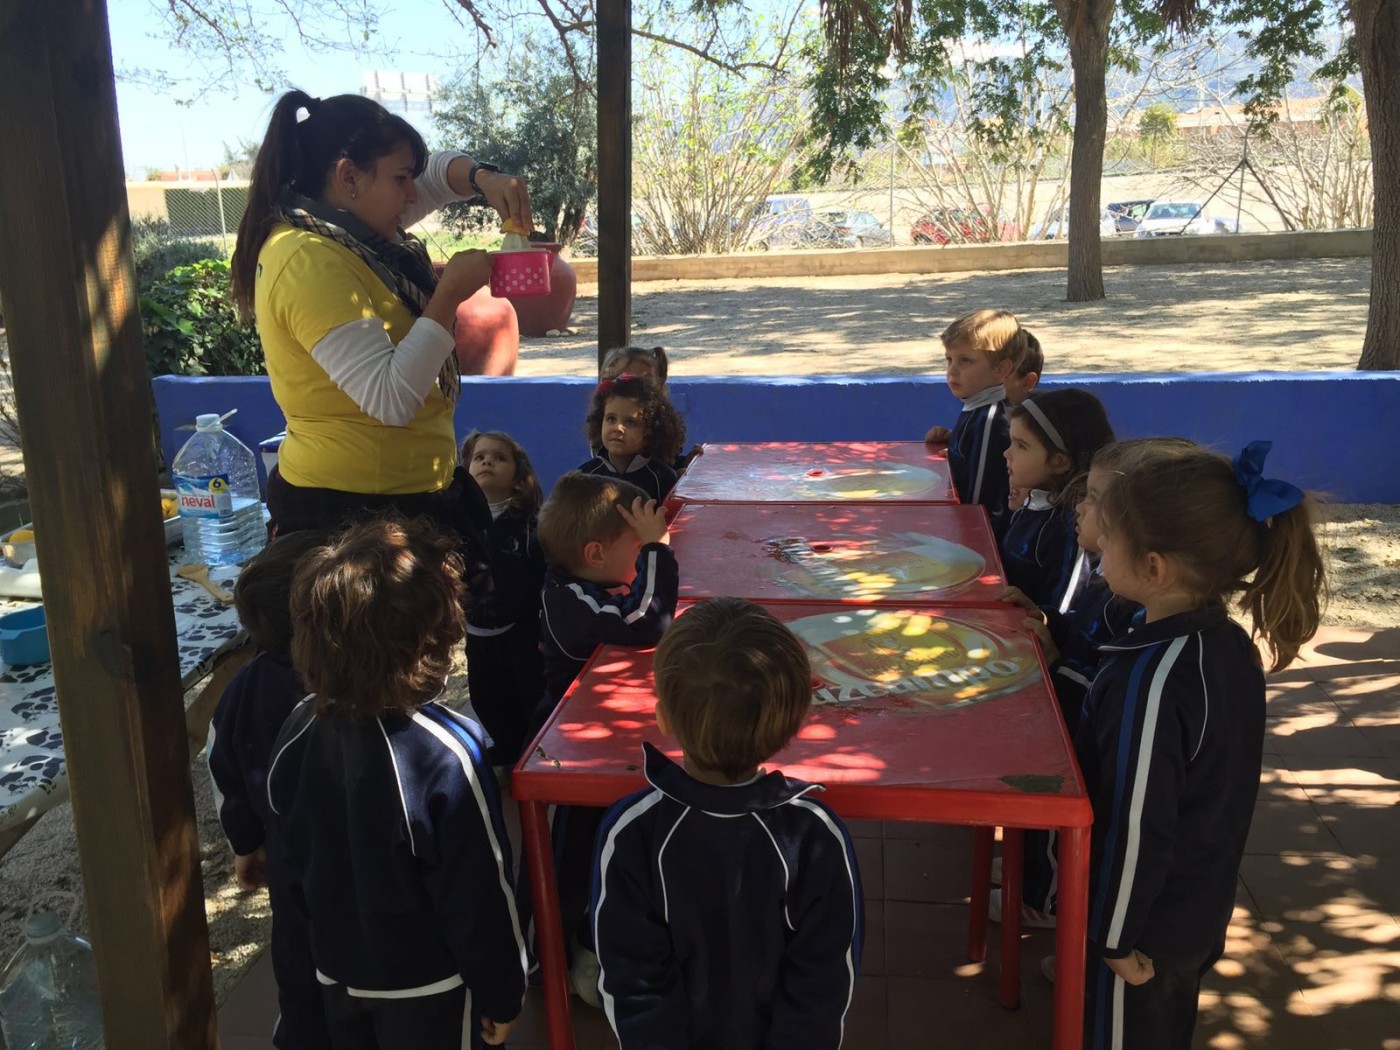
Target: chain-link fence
x=206, y=210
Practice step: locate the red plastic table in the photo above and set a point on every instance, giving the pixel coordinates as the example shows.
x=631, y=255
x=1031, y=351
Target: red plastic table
x=817, y=472
x=882, y=552
x=920, y=713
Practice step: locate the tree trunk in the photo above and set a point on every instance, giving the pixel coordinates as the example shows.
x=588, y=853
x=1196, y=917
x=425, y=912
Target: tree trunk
x=1378, y=42
x=1086, y=25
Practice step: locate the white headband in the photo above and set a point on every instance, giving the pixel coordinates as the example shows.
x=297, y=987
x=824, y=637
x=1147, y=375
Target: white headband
x=1038, y=414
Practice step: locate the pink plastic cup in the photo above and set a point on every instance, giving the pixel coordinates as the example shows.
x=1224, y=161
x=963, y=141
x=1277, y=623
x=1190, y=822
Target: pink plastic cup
x=520, y=273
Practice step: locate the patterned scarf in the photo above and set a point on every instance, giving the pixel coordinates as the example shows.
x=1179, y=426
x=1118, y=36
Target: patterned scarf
x=402, y=265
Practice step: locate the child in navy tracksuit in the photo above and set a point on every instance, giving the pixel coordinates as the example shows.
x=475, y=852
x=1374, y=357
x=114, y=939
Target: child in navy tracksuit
x=390, y=820
x=982, y=348
x=612, y=579
x=726, y=904
x=636, y=434
x=245, y=724
x=652, y=364
x=1053, y=438
x=1172, y=733
x=505, y=672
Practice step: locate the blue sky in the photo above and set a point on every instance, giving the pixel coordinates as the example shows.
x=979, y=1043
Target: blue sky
x=420, y=36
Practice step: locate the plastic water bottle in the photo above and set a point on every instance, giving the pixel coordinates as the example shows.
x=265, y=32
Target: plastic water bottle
x=48, y=992
x=216, y=478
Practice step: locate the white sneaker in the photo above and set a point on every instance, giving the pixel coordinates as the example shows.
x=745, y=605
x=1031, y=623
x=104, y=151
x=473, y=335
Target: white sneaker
x=583, y=976
x=996, y=871
x=1031, y=918
x=1047, y=968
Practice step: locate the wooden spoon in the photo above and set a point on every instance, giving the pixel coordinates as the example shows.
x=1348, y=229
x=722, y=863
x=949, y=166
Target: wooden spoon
x=197, y=572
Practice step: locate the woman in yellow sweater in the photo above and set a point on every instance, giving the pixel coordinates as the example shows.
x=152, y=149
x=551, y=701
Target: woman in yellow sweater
x=356, y=328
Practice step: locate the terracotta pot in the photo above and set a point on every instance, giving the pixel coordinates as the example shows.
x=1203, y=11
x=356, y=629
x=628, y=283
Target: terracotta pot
x=487, y=335
x=539, y=314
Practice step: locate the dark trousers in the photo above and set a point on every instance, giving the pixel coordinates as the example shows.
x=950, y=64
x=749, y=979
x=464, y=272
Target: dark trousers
x=460, y=508
x=426, y=1022
x=302, y=1024
x=1039, y=884
x=1158, y=1015
x=505, y=674
x=573, y=832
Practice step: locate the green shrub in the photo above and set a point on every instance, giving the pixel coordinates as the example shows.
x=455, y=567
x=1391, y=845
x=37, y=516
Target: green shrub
x=192, y=328
x=157, y=249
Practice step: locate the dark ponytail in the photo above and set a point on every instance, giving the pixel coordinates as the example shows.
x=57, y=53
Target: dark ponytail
x=297, y=153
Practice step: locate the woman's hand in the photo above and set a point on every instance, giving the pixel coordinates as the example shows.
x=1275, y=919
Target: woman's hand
x=508, y=195
x=465, y=274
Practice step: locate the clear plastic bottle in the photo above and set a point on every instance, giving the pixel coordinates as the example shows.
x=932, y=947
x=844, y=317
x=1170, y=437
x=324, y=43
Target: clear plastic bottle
x=216, y=477
x=48, y=992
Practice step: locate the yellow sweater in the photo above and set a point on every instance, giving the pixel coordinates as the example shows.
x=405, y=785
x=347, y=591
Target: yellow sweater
x=306, y=286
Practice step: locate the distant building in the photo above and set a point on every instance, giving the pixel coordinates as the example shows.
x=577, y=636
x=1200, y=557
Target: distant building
x=410, y=95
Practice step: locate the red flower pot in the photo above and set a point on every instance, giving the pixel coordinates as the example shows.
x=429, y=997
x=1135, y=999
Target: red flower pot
x=539, y=314
x=487, y=334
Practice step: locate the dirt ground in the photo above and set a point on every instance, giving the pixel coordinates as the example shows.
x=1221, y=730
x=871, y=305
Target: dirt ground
x=1303, y=315
x=1275, y=315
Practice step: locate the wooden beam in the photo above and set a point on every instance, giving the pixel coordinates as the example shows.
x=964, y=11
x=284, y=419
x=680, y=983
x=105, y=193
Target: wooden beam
x=85, y=411
x=614, y=174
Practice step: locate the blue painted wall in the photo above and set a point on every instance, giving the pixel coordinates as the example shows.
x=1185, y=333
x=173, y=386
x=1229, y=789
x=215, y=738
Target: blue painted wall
x=1332, y=431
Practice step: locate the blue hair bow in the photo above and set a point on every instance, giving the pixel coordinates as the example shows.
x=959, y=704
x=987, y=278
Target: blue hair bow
x=1264, y=497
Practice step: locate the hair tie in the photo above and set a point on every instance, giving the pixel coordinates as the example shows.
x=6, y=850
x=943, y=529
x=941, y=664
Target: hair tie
x=304, y=112
x=1038, y=414
x=1264, y=497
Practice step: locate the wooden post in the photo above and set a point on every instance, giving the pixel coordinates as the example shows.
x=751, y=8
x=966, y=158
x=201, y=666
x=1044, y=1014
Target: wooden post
x=614, y=174
x=85, y=412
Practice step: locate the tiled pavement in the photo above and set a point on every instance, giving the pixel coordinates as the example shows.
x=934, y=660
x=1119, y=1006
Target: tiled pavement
x=1313, y=959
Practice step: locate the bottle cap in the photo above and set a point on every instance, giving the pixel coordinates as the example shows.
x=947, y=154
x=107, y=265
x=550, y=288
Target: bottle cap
x=42, y=926
x=206, y=420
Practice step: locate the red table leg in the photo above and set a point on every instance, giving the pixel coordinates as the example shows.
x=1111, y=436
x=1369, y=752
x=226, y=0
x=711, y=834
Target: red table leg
x=1012, y=851
x=549, y=929
x=981, y=893
x=1073, y=921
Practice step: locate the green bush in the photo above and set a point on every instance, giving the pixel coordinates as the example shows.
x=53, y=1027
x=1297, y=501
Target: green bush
x=157, y=249
x=191, y=324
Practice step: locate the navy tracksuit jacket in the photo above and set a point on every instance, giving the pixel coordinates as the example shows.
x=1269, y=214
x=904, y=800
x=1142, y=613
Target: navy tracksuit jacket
x=725, y=918
x=977, y=454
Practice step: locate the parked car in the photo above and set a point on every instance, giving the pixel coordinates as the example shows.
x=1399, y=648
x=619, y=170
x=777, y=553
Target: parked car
x=586, y=243
x=963, y=225
x=1176, y=219
x=1127, y=214
x=1056, y=224
x=785, y=220
x=854, y=229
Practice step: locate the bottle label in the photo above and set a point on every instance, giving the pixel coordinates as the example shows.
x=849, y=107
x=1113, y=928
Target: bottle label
x=204, y=495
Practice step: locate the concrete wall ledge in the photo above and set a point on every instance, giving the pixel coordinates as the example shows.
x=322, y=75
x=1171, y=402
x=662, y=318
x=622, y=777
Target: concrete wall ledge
x=1030, y=255
x=1325, y=425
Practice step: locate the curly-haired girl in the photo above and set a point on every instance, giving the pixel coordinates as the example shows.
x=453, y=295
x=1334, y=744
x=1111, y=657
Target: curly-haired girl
x=635, y=433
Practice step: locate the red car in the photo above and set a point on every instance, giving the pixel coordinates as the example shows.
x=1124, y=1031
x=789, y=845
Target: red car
x=963, y=226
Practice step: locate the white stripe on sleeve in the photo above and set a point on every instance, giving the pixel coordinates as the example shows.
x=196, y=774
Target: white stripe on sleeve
x=605, y=857
x=1142, y=765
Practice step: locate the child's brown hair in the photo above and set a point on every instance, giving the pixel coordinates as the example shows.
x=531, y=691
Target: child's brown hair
x=1080, y=429
x=993, y=332
x=526, y=494
x=582, y=508
x=616, y=360
x=1191, y=505
x=665, y=430
x=263, y=593
x=733, y=683
x=377, y=612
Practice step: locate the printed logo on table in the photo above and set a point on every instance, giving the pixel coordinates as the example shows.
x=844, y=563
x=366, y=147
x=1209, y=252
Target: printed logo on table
x=909, y=661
